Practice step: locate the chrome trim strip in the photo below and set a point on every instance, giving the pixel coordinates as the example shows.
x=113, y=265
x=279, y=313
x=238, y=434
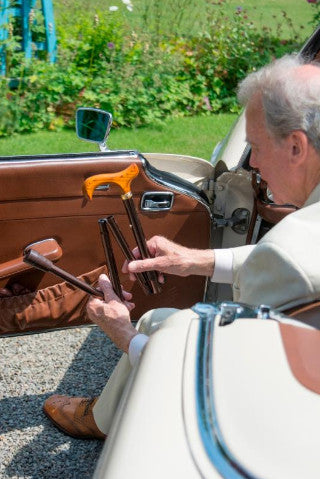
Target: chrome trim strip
x=51, y=157
x=213, y=441
x=167, y=183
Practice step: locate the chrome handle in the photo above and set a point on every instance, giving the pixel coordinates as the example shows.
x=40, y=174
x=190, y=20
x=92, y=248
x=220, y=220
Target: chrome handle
x=157, y=201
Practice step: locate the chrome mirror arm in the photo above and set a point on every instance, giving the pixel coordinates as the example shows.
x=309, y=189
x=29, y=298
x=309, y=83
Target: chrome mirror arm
x=103, y=146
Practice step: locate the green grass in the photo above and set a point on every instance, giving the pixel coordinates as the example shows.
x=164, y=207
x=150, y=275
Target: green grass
x=262, y=12
x=270, y=13
x=194, y=136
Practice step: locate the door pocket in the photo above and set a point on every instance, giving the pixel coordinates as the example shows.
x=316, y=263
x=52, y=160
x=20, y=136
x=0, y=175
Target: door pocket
x=58, y=306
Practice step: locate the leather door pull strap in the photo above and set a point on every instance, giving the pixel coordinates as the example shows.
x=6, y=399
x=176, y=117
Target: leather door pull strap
x=49, y=248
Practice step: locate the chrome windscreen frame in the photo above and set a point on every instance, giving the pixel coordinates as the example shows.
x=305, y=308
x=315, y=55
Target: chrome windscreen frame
x=211, y=315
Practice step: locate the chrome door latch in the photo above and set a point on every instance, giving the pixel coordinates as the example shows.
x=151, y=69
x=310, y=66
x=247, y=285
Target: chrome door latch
x=239, y=221
x=157, y=201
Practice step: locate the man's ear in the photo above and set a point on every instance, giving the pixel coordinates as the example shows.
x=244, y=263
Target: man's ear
x=298, y=144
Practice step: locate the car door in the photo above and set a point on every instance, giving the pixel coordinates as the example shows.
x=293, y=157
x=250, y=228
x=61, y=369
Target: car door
x=42, y=207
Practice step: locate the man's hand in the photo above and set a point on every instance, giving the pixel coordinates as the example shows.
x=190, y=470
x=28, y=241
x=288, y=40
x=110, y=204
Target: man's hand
x=172, y=258
x=112, y=315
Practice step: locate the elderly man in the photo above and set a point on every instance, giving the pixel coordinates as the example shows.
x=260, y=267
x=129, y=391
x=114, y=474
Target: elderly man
x=283, y=270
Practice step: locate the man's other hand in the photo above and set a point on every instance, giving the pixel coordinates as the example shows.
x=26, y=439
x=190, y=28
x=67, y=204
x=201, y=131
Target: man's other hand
x=112, y=315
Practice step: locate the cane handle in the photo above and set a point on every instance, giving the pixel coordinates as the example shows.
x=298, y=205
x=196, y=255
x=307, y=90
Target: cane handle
x=122, y=178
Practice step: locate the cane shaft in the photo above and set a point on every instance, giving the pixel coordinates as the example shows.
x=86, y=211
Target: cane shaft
x=110, y=260
x=142, y=278
x=140, y=238
x=44, y=264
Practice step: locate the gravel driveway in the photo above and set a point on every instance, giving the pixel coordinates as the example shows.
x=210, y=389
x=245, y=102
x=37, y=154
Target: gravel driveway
x=76, y=362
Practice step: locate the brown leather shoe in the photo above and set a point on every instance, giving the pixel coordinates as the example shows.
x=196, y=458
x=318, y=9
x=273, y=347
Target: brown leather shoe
x=73, y=416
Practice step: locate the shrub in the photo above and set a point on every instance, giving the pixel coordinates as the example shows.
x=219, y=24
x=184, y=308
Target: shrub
x=140, y=76
x=316, y=13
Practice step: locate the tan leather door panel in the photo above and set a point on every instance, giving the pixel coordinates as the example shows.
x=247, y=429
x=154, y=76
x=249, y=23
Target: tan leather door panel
x=41, y=198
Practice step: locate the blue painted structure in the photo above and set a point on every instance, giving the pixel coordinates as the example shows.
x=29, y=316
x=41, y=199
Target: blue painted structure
x=21, y=10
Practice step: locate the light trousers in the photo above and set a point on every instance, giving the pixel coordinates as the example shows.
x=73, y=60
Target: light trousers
x=105, y=408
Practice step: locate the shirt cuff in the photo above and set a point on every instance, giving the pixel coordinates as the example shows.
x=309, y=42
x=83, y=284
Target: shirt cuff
x=223, y=266
x=136, y=346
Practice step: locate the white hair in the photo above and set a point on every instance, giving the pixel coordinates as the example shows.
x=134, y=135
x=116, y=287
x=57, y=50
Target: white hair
x=289, y=101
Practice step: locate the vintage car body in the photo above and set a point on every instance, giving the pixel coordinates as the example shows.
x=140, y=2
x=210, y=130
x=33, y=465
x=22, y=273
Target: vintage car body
x=219, y=392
